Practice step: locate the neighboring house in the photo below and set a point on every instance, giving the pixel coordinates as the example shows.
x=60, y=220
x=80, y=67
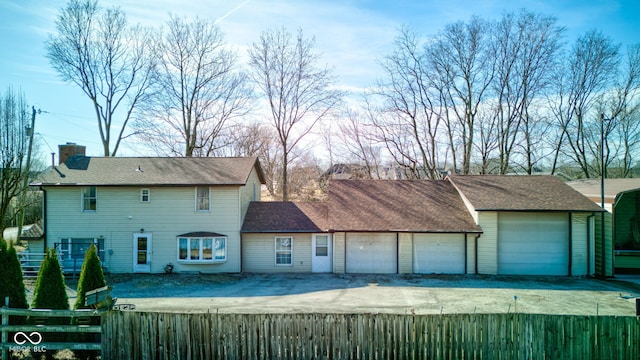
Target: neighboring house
x=622, y=202
x=31, y=233
x=461, y=225
x=144, y=213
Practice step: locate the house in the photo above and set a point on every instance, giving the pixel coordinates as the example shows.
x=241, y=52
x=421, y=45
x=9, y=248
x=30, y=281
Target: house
x=622, y=220
x=145, y=212
x=460, y=225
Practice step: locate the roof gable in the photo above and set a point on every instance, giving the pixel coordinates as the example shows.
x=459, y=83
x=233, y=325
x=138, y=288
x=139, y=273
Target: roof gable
x=521, y=193
x=151, y=171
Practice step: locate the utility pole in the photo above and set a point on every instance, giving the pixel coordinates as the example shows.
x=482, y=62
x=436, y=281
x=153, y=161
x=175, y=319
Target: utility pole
x=31, y=131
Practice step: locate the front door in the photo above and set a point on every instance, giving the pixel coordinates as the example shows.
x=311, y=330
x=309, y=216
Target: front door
x=142, y=252
x=321, y=253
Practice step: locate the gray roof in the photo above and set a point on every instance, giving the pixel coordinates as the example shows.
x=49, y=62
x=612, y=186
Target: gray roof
x=151, y=171
x=398, y=205
x=521, y=193
x=285, y=216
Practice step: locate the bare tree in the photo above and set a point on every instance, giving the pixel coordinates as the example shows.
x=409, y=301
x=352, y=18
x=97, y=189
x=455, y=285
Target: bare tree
x=258, y=140
x=299, y=93
x=197, y=90
x=588, y=71
x=357, y=143
x=409, y=119
x=14, y=146
x=525, y=46
x=464, y=67
x=111, y=62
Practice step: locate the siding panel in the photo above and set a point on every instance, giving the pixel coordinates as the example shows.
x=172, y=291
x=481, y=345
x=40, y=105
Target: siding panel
x=488, y=243
x=258, y=253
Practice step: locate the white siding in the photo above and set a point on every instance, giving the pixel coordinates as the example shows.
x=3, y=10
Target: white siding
x=339, y=251
x=171, y=212
x=258, y=253
x=250, y=192
x=579, y=241
x=488, y=242
x=405, y=253
x=471, y=253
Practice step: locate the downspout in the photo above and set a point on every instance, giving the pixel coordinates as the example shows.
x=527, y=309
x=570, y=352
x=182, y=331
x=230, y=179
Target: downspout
x=465, y=253
x=570, y=262
x=589, y=235
x=475, y=250
x=397, y=253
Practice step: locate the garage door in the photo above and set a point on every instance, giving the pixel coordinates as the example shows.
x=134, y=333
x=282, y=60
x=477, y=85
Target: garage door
x=371, y=253
x=533, y=244
x=438, y=254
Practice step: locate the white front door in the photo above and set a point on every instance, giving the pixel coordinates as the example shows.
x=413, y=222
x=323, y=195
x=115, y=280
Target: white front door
x=142, y=252
x=321, y=253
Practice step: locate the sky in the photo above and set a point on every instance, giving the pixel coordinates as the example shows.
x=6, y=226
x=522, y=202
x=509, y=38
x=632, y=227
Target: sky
x=351, y=35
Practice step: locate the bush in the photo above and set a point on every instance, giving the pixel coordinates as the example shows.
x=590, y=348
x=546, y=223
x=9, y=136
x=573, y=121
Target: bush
x=91, y=276
x=11, y=281
x=50, y=291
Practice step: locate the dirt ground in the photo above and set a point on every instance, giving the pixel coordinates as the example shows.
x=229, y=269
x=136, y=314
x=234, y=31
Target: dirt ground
x=428, y=294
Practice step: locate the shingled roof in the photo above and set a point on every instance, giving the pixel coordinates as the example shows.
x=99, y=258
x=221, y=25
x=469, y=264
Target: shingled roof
x=151, y=171
x=398, y=205
x=285, y=216
x=521, y=193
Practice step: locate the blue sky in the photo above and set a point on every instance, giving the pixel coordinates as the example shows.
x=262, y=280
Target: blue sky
x=351, y=35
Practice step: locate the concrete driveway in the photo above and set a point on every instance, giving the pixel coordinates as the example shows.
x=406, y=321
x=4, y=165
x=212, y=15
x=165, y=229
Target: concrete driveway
x=304, y=293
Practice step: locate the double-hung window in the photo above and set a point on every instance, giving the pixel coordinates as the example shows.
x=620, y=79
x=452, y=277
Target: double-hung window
x=145, y=195
x=202, y=249
x=202, y=198
x=284, y=251
x=89, y=199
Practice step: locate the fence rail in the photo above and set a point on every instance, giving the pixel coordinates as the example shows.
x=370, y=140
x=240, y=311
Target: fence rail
x=138, y=335
x=30, y=263
x=30, y=332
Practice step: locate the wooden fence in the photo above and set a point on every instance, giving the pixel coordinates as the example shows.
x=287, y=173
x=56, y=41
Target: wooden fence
x=138, y=335
x=37, y=326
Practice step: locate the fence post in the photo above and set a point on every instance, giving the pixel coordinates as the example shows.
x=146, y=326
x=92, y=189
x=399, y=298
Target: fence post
x=5, y=335
x=637, y=306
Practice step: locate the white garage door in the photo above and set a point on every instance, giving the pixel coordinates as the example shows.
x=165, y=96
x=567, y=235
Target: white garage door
x=371, y=253
x=533, y=244
x=438, y=254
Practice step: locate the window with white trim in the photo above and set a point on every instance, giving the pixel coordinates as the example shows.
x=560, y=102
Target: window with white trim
x=202, y=249
x=89, y=199
x=202, y=198
x=284, y=251
x=145, y=195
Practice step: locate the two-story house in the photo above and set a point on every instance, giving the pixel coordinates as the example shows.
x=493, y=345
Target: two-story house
x=144, y=212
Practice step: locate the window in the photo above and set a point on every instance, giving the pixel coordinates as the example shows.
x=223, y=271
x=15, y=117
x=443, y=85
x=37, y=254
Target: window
x=284, y=253
x=89, y=199
x=202, y=250
x=202, y=198
x=322, y=245
x=145, y=195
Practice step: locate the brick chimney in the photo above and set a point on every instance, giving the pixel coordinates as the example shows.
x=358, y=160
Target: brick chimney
x=68, y=150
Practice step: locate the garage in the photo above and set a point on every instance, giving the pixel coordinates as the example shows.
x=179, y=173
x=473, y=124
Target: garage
x=533, y=243
x=439, y=254
x=371, y=253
